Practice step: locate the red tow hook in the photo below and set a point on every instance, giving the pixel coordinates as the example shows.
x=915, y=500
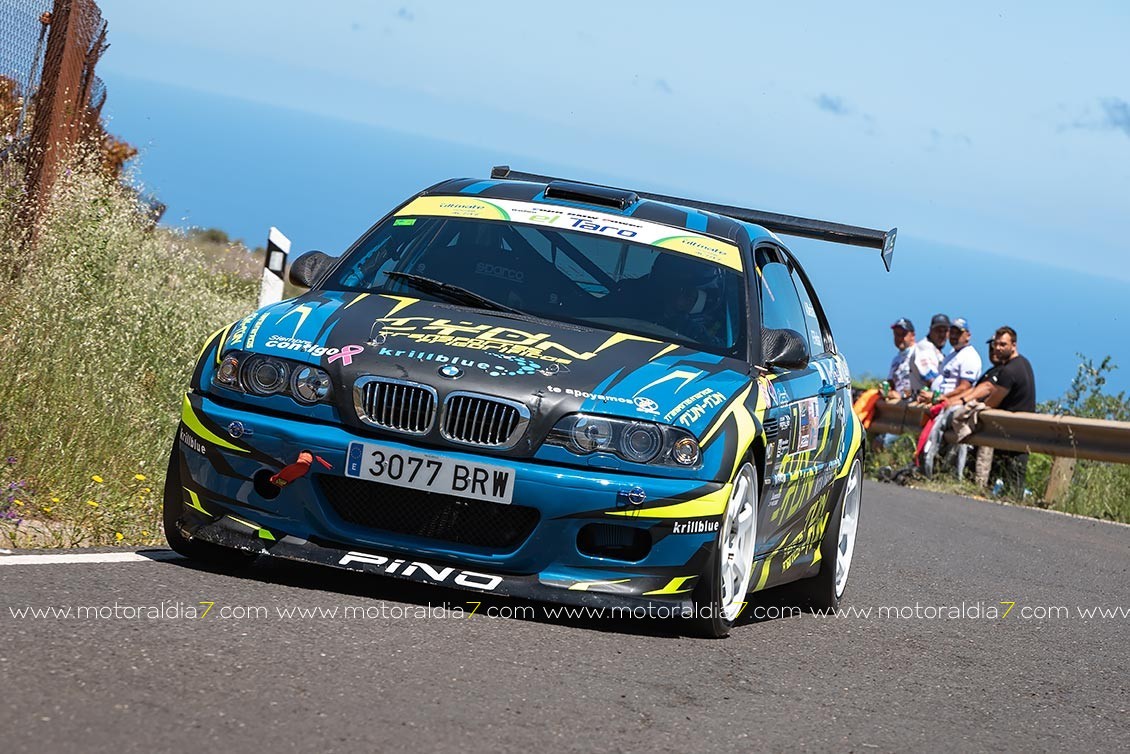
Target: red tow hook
x=298, y=469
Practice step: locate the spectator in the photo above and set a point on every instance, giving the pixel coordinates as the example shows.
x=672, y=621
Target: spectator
x=899, y=374
x=984, y=386
x=961, y=368
x=926, y=357
x=1013, y=389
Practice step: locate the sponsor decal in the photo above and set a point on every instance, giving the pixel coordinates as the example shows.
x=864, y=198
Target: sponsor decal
x=782, y=395
x=646, y=405
x=686, y=242
x=422, y=571
x=284, y=343
x=498, y=271
x=695, y=526
x=808, y=421
x=192, y=442
x=502, y=340
x=240, y=330
x=347, y=354
x=695, y=407
x=593, y=396
x=255, y=331
x=499, y=364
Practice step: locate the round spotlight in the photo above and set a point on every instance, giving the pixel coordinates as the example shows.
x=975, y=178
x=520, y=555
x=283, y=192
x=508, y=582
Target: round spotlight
x=685, y=451
x=309, y=384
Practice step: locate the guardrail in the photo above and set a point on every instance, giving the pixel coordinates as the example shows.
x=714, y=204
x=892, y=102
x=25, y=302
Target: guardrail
x=1067, y=438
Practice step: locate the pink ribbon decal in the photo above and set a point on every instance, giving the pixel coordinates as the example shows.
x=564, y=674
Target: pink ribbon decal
x=346, y=355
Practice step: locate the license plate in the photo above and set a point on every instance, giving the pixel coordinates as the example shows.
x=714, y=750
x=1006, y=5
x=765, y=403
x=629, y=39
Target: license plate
x=423, y=471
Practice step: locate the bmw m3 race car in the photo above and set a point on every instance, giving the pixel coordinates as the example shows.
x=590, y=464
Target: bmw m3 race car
x=544, y=389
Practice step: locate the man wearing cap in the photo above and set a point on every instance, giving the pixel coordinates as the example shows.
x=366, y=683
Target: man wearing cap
x=899, y=374
x=961, y=368
x=926, y=357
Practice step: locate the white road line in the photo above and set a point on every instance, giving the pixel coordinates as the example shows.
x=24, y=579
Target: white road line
x=59, y=558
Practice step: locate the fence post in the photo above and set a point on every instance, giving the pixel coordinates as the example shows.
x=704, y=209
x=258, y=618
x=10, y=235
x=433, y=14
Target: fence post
x=58, y=121
x=983, y=466
x=1059, y=481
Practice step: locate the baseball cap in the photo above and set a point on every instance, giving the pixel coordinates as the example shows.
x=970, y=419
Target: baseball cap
x=939, y=319
x=904, y=323
x=960, y=323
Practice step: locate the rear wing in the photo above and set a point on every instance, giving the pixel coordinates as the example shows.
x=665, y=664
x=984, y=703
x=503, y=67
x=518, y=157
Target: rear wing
x=788, y=225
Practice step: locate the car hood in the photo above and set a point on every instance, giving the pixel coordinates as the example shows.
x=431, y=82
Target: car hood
x=552, y=368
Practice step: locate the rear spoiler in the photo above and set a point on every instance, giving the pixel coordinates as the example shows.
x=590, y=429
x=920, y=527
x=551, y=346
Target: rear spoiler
x=788, y=225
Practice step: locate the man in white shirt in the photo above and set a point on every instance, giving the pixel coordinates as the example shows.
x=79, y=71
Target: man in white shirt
x=926, y=356
x=899, y=374
x=961, y=368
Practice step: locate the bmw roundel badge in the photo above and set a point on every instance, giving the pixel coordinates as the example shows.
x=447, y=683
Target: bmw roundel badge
x=451, y=372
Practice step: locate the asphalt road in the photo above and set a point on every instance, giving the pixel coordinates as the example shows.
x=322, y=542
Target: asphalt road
x=396, y=681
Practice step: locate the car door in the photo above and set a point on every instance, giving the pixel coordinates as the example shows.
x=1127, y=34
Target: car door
x=797, y=413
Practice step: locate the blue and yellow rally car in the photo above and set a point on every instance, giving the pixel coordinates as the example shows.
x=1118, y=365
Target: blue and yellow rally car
x=539, y=388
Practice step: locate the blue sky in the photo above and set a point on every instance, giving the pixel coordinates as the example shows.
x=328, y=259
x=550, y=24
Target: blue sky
x=996, y=138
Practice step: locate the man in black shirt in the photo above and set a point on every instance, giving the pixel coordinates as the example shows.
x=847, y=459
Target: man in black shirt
x=1013, y=389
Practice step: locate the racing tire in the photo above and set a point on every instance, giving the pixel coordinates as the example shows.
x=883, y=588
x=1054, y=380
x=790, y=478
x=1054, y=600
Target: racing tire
x=824, y=590
x=193, y=549
x=720, y=595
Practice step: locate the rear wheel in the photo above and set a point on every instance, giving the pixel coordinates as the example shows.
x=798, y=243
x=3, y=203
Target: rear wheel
x=721, y=593
x=824, y=590
x=195, y=549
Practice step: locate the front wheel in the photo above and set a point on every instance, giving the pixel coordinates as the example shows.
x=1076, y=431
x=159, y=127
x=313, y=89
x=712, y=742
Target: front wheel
x=721, y=593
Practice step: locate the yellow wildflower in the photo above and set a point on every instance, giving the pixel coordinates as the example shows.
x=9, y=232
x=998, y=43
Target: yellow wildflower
x=97, y=478
x=139, y=477
x=119, y=536
x=18, y=502
x=92, y=504
x=54, y=499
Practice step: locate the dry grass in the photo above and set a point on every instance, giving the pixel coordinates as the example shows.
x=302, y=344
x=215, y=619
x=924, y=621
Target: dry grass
x=99, y=329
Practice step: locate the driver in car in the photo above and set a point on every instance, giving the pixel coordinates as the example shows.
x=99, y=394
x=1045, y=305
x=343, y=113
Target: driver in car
x=682, y=289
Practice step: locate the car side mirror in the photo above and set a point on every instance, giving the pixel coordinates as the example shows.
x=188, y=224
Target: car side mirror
x=308, y=269
x=784, y=348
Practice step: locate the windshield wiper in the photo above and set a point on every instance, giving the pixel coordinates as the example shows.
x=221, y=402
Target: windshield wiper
x=452, y=293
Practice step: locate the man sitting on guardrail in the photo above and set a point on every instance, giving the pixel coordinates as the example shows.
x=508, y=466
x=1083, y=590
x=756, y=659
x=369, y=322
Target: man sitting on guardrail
x=898, y=378
x=962, y=367
x=1013, y=389
x=926, y=356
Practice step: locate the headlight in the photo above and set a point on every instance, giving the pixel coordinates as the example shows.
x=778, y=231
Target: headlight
x=641, y=442
x=635, y=441
x=591, y=433
x=309, y=384
x=266, y=375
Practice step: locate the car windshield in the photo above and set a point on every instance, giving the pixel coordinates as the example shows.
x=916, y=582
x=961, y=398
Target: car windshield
x=571, y=276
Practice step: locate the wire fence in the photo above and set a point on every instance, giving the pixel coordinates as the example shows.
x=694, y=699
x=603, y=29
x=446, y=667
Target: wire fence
x=22, y=41
x=50, y=98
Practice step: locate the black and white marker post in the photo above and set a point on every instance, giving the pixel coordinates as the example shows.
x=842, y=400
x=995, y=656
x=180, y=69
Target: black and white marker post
x=278, y=246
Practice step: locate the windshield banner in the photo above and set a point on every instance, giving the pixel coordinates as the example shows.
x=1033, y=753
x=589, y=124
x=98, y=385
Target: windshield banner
x=678, y=240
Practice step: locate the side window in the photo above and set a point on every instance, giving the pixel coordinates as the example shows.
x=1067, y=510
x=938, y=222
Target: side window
x=811, y=321
x=780, y=305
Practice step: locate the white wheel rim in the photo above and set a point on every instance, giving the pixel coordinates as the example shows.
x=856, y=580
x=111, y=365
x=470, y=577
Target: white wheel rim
x=849, y=524
x=736, y=542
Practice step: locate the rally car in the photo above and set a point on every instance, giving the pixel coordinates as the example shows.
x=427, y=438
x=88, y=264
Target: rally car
x=539, y=388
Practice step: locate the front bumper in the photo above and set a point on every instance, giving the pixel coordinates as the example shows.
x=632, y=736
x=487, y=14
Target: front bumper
x=226, y=501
